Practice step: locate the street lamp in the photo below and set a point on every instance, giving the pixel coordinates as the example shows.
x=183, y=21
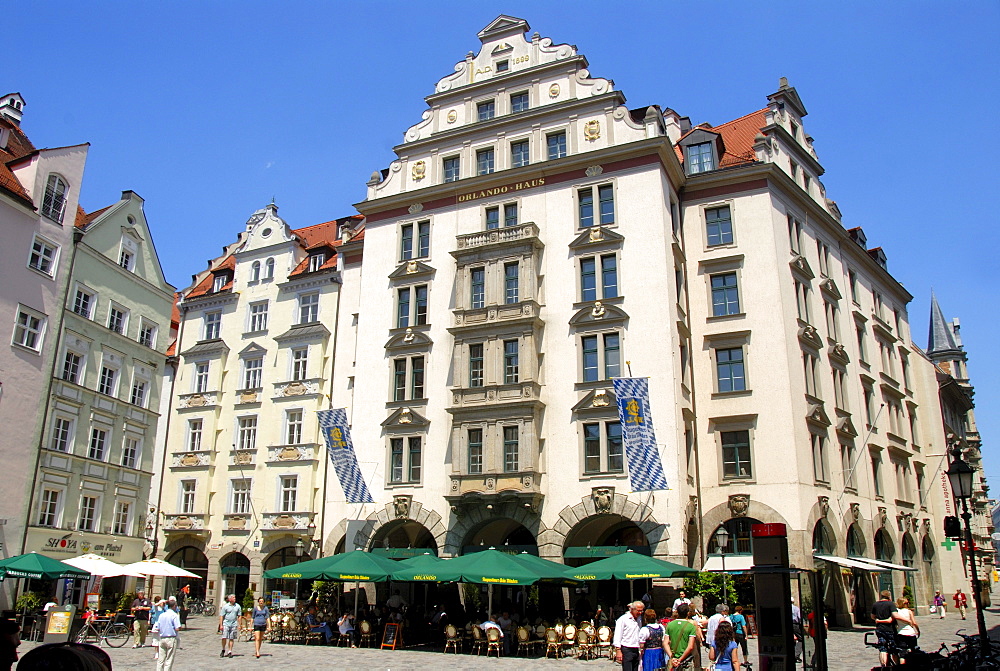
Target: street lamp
x=960, y=475
x=300, y=548
x=721, y=540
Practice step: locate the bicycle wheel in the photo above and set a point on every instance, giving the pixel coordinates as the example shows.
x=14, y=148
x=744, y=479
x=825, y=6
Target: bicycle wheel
x=88, y=635
x=117, y=636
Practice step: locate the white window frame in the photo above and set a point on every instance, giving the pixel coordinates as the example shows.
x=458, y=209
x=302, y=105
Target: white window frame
x=298, y=363
x=602, y=351
x=316, y=261
x=219, y=281
x=91, y=301
x=119, y=526
x=38, y=258
x=403, y=473
x=257, y=317
x=55, y=197
x=115, y=372
x=201, y=377
x=240, y=496
x=153, y=329
x=195, y=434
x=140, y=385
x=95, y=521
x=253, y=376
x=409, y=379
x=136, y=450
x=212, y=325
x=308, y=304
x=127, y=253
x=246, y=432
x=821, y=466
x=29, y=329
x=294, y=426
x=603, y=454
x=43, y=503
x=103, y=456
x=81, y=366
x=115, y=307
x=63, y=431
x=187, y=495
x=288, y=493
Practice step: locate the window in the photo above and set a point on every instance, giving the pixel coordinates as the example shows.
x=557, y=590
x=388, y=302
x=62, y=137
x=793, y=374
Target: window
x=406, y=250
x=510, y=282
x=43, y=256
x=809, y=363
x=518, y=101
x=877, y=475
x=451, y=169
x=98, y=444
x=106, y=381
x=493, y=216
x=840, y=388
x=29, y=328
x=869, y=405
x=510, y=214
x=138, y=396
x=188, y=490
x=130, y=452
x=719, y=226
x=819, y=458
x=597, y=347
x=252, y=370
x=588, y=278
x=914, y=427
x=417, y=377
x=484, y=161
x=794, y=234
x=921, y=494
x=83, y=303
x=852, y=281
x=247, y=433
x=823, y=251
x=736, y=455
x=213, y=325
x=399, y=380
x=269, y=269
x=88, y=514
x=54, y=201
x=511, y=450
x=300, y=364
x=503, y=66
x=510, y=362
x=48, y=510
x=476, y=365
x=396, y=460
x=596, y=446
x=126, y=259
x=730, y=373
x=255, y=272
x=519, y=154
x=477, y=288
x=62, y=434
x=605, y=205
x=308, y=308
x=239, y=496
x=147, y=333
x=862, y=342
x=847, y=465
x=293, y=427
x=289, y=491
x=415, y=365
x=72, y=365
x=403, y=306
x=486, y=110
x=405, y=459
x=475, y=451
x=556, y=144
x=219, y=282
x=832, y=321
x=725, y=295
x=316, y=261
x=802, y=301
x=201, y=377
x=423, y=239
x=194, y=435
x=258, y=317
x=117, y=319
x=120, y=523
x=700, y=158
x=415, y=460
x=420, y=305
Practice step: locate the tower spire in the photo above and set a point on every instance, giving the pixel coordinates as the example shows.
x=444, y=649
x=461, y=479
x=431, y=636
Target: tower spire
x=940, y=338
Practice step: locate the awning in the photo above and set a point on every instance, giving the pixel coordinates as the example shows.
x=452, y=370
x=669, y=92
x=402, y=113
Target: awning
x=733, y=564
x=862, y=563
x=889, y=565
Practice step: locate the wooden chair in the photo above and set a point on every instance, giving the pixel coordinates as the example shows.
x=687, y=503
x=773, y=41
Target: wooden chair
x=552, y=642
x=452, y=639
x=524, y=643
x=569, y=637
x=584, y=644
x=308, y=635
x=347, y=639
x=604, y=640
x=494, y=641
x=477, y=640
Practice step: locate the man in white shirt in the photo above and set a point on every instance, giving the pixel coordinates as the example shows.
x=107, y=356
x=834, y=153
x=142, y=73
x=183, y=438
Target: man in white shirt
x=166, y=626
x=681, y=598
x=626, y=641
x=721, y=613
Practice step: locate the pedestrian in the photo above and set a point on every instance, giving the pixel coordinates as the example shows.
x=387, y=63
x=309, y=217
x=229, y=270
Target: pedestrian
x=938, y=604
x=723, y=650
x=721, y=615
x=681, y=598
x=166, y=626
x=683, y=638
x=885, y=613
x=229, y=618
x=906, y=636
x=739, y=622
x=261, y=623
x=140, y=609
x=652, y=642
x=626, y=641
x=159, y=605
x=961, y=603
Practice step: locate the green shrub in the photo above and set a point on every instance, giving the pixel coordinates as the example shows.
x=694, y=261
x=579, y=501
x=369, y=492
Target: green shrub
x=248, y=599
x=30, y=601
x=125, y=601
x=709, y=586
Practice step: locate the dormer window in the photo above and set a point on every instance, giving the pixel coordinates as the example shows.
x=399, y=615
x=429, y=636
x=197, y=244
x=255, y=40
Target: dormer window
x=220, y=281
x=316, y=261
x=700, y=158
x=795, y=129
x=54, y=202
x=486, y=110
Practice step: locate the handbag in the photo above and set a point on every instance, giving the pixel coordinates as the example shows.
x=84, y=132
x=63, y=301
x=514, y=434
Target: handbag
x=933, y=608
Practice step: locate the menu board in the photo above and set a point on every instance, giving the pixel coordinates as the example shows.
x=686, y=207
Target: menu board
x=390, y=638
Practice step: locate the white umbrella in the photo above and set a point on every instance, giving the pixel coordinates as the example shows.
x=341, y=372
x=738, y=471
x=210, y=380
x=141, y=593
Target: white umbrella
x=159, y=567
x=100, y=566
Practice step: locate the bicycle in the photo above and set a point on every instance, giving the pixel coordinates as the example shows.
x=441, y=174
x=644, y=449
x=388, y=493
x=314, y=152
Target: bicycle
x=969, y=655
x=114, y=632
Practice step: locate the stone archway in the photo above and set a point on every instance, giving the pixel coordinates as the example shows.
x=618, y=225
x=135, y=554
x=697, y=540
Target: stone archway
x=401, y=508
x=604, y=501
x=472, y=517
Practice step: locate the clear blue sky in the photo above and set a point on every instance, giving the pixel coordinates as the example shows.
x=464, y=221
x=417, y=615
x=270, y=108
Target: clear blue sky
x=207, y=109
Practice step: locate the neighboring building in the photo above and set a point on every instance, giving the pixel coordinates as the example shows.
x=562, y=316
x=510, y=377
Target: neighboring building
x=244, y=468
x=39, y=194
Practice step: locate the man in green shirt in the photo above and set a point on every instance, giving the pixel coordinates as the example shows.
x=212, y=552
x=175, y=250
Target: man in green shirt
x=683, y=636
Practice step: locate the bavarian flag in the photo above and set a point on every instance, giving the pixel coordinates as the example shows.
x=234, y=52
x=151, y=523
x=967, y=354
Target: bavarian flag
x=645, y=470
x=333, y=424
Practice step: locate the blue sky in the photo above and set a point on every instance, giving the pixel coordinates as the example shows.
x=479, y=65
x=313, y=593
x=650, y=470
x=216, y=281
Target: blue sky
x=208, y=109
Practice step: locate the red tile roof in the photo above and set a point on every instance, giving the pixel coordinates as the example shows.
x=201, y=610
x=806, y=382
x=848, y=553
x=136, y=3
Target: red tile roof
x=89, y=218
x=737, y=136
x=205, y=286
x=18, y=146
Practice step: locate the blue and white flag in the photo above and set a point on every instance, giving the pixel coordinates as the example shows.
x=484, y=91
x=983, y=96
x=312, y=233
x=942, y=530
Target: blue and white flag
x=333, y=423
x=645, y=470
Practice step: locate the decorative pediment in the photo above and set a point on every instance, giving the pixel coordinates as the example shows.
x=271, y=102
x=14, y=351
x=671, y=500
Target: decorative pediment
x=409, y=339
x=839, y=353
x=598, y=400
x=253, y=349
x=846, y=427
x=598, y=313
x=817, y=415
x=597, y=236
x=829, y=287
x=406, y=419
x=301, y=332
x=206, y=348
x=809, y=336
x=801, y=266
x=503, y=25
x=411, y=270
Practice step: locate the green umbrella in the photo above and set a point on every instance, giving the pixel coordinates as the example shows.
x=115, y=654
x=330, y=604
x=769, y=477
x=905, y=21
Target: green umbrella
x=356, y=566
x=549, y=570
x=40, y=567
x=629, y=566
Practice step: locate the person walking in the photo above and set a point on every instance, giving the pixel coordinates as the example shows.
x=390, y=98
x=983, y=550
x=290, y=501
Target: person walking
x=885, y=613
x=166, y=627
x=261, y=623
x=961, y=602
x=721, y=615
x=159, y=605
x=906, y=636
x=681, y=598
x=626, y=640
x=652, y=642
x=683, y=638
x=140, y=609
x=229, y=618
x=739, y=622
x=723, y=651
x=938, y=604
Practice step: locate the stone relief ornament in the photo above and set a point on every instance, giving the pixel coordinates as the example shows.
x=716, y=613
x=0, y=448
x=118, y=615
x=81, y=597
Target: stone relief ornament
x=691, y=510
x=452, y=116
x=411, y=267
x=401, y=506
x=597, y=312
x=883, y=516
x=739, y=504
x=594, y=170
x=526, y=482
x=603, y=498
x=237, y=523
x=824, y=505
x=196, y=401
x=190, y=459
x=416, y=208
x=409, y=335
x=284, y=522
x=554, y=90
x=406, y=417
x=248, y=397
x=600, y=399
x=289, y=453
x=243, y=458
x=856, y=511
x=454, y=485
x=294, y=389
x=596, y=233
x=183, y=523
x=419, y=170
x=592, y=130
x=491, y=484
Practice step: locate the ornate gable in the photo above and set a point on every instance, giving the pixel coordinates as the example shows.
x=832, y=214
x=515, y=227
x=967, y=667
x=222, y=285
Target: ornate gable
x=405, y=419
x=817, y=415
x=800, y=266
x=846, y=427
x=598, y=401
x=829, y=287
x=597, y=236
x=253, y=349
x=503, y=26
x=597, y=314
x=809, y=336
x=409, y=339
x=412, y=270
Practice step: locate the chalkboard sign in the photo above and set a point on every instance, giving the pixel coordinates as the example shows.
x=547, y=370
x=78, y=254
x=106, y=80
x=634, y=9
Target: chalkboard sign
x=391, y=637
x=751, y=625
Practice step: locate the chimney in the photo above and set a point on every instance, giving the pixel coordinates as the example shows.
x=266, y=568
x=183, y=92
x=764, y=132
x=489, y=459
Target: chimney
x=12, y=107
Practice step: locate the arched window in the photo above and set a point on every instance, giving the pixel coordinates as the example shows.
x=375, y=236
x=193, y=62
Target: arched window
x=739, y=542
x=927, y=549
x=822, y=541
x=269, y=270
x=884, y=549
x=255, y=271
x=855, y=542
x=54, y=202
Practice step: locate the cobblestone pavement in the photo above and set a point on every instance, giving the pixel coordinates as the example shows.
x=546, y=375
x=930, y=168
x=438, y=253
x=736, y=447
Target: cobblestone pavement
x=201, y=646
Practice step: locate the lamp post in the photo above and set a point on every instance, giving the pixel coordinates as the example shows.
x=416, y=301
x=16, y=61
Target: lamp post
x=721, y=540
x=300, y=548
x=960, y=475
